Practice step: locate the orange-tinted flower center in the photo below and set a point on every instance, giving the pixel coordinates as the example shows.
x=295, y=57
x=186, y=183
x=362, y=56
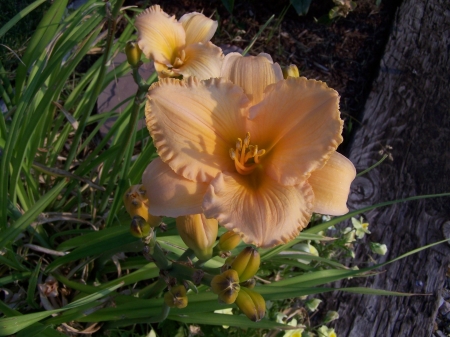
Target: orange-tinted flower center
x=246, y=156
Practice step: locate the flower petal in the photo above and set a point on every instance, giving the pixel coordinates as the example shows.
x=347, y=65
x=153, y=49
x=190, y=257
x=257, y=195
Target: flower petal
x=170, y=194
x=198, y=27
x=195, y=123
x=160, y=36
x=298, y=125
x=331, y=185
x=264, y=212
x=202, y=61
x=251, y=73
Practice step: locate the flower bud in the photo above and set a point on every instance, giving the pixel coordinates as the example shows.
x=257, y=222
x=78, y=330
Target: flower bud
x=250, y=283
x=313, y=304
x=246, y=263
x=251, y=303
x=291, y=71
x=226, y=285
x=228, y=241
x=139, y=228
x=136, y=204
x=133, y=53
x=176, y=297
x=198, y=233
x=331, y=316
x=378, y=248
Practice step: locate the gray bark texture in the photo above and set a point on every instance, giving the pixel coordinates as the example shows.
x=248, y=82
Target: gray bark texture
x=408, y=109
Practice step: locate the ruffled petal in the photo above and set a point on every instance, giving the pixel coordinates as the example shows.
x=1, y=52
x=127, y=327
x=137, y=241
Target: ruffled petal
x=198, y=27
x=262, y=211
x=160, y=36
x=331, y=185
x=202, y=61
x=170, y=194
x=195, y=123
x=251, y=73
x=298, y=125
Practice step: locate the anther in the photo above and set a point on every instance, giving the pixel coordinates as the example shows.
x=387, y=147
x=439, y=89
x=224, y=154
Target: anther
x=232, y=154
x=239, y=144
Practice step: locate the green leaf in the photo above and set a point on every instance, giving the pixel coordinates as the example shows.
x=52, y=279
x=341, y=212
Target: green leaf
x=301, y=6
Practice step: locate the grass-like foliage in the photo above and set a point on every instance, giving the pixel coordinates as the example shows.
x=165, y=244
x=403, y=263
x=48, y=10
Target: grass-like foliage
x=68, y=261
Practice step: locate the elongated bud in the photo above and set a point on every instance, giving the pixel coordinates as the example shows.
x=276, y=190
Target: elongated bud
x=176, y=297
x=136, y=203
x=229, y=241
x=133, y=53
x=198, y=233
x=139, y=228
x=251, y=303
x=291, y=71
x=226, y=285
x=246, y=263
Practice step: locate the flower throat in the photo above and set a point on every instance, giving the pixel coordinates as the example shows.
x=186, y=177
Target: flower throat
x=246, y=156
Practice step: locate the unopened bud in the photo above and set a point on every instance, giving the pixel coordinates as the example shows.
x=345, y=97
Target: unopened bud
x=250, y=283
x=378, y=248
x=198, y=233
x=228, y=241
x=226, y=285
x=313, y=304
x=133, y=53
x=246, y=263
x=136, y=204
x=291, y=71
x=139, y=228
x=251, y=303
x=176, y=297
x=331, y=316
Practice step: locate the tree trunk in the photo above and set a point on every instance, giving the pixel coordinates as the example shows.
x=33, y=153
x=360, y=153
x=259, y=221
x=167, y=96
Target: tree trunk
x=408, y=110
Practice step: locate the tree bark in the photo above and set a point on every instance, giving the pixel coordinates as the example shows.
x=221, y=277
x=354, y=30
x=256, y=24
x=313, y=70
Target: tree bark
x=408, y=109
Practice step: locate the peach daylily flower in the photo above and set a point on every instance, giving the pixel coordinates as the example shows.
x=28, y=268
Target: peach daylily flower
x=250, y=149
x=179, y=47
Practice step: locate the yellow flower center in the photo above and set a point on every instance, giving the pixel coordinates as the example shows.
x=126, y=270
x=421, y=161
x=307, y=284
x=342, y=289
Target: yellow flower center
x=246, y=156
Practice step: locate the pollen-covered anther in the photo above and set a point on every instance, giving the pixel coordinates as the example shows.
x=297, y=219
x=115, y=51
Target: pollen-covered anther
x=246, y=156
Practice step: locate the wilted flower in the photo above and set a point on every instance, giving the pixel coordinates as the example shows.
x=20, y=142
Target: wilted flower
x=264, y=185
x=179, y=47
x=176, y=297
x=362, y=228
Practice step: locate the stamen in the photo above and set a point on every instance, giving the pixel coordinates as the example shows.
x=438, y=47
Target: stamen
x=243, y=153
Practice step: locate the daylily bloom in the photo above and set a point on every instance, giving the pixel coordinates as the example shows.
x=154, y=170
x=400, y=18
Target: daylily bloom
x=180, y=47
x=252, y=150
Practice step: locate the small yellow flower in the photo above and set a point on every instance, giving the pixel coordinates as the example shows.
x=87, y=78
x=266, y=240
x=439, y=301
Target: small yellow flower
x=362, y=228
x=179, y=48
x=325, y=331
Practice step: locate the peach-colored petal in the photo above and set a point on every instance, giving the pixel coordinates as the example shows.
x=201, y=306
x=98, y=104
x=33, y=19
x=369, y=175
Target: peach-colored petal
x=160, y=36
x=298, y=125
x=251, y=73
x=264, y=212
x=202, y=61
x=164, y=71
x=331, y=185
x=170, y=194
x=198, y=27
x=195, y=123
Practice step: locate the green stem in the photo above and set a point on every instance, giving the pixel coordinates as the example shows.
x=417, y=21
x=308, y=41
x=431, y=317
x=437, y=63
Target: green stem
x=154, y=252
x=187, y=255
x=185, y=272
x=152, y=290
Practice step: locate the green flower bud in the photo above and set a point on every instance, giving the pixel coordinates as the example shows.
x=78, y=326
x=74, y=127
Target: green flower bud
x=246, y=263
x=378, y=248
x=331, y=316
x=291, y=71
x=229, y=241
x=226, y=285
x=251, y=303
x=313, y=304
x=139, y=228
x=176, y=297
x=198, y=233
x=136, y=203
x=133, y=53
